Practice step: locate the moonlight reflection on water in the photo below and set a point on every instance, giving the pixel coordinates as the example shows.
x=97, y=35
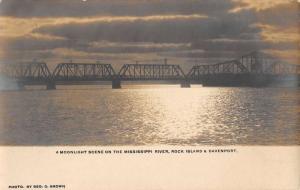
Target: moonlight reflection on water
x=150, y=114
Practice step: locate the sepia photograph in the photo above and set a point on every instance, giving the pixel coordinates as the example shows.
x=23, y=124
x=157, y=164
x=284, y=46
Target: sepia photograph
x=149, y=94
x=151, y=72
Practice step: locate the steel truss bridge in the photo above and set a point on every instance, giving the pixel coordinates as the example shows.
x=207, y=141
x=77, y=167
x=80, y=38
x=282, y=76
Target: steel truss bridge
x=253, y=69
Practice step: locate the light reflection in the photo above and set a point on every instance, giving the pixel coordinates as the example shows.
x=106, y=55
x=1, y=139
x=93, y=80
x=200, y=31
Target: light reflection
x=149, y=115
x=178, y=118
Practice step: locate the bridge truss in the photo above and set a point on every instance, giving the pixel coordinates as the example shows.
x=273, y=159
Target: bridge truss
x=253, y=63
x=151, y=72
x=29, y=71
x=83, y=72
x=252, y=69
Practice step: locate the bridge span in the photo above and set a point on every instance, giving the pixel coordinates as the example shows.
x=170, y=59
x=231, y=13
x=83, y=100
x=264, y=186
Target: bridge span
x=253, y=69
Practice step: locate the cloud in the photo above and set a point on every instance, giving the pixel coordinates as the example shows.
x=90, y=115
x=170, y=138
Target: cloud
x=190, y=28
x=78, y=8
x=175, y=29
x=260, y=5
x=241, y=45
x=31, y=42
x=110, y=47
x=282, y=15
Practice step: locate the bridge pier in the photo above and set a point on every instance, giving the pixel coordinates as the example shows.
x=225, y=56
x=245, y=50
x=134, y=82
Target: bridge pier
x=51, y=86
x=185, y=84
x=116, y=84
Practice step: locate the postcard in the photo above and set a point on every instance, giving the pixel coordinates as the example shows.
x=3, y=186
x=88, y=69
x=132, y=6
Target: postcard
x=149, y=94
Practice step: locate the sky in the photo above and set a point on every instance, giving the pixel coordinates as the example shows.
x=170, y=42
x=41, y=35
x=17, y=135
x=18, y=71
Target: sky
x=122, y=31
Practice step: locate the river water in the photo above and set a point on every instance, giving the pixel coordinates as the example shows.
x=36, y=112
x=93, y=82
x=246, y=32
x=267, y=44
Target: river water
x=150, y=115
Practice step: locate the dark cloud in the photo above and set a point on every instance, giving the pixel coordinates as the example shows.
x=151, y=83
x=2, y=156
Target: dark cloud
x=157, y=31
x=242, y=45
x=27, y=55
x=221, y=34
x=105, y=47
x=282, y=15
x=26, y=43
x=79, y=8
x=199, y=54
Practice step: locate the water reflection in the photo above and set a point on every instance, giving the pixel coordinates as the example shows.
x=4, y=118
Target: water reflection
x=141, y=115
